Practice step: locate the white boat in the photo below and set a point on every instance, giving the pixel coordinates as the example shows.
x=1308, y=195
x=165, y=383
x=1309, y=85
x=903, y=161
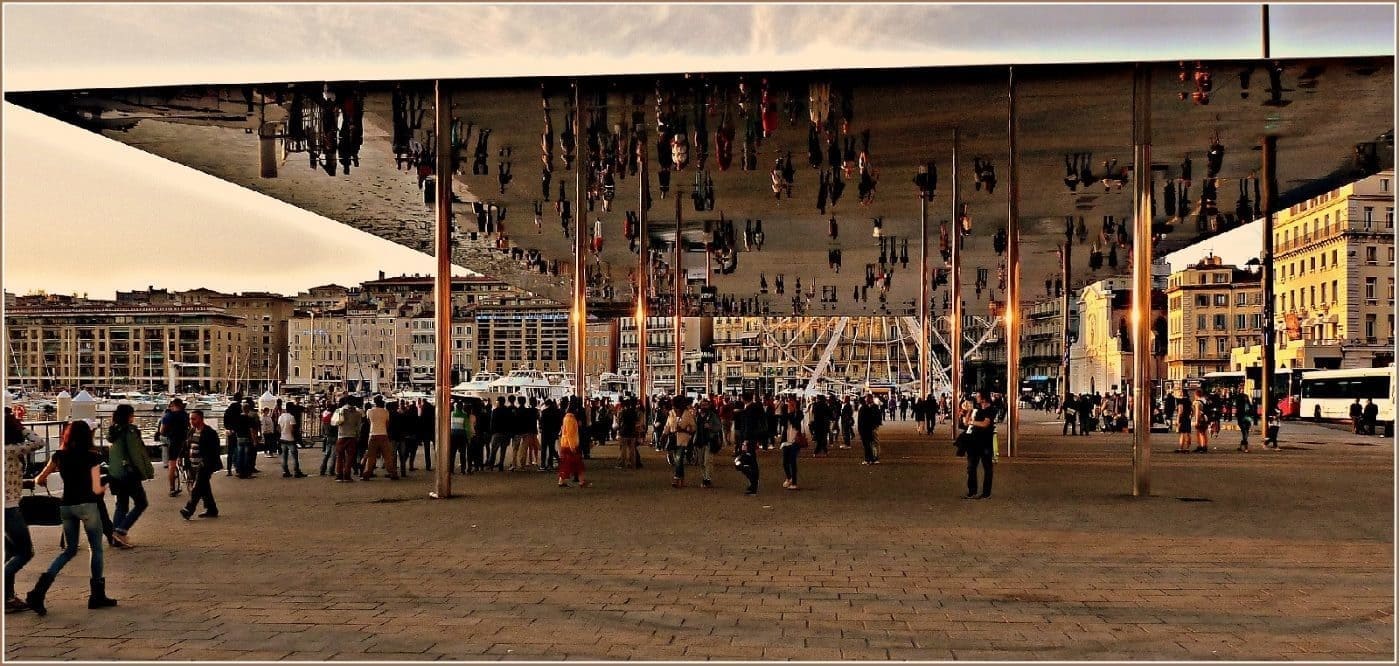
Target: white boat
x=139, y=401
x=480, y=386
x=614, y=386
x=528, y=382
x=561, y=383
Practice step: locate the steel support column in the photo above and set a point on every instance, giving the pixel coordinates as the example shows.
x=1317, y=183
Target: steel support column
x=1064, y=311
x=677, y=302
x=643, y=277
x=442, y=291
x=579, y=316
x=923, y=297
x=1269, y=193
x=1012, y=311
x=1142, y=281
x=955, y=327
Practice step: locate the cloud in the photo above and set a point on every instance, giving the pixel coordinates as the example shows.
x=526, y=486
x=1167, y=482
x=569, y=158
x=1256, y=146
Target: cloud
x=57, y=46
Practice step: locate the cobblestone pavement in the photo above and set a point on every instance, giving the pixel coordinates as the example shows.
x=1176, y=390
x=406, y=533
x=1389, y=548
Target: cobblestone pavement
x=1283, y=555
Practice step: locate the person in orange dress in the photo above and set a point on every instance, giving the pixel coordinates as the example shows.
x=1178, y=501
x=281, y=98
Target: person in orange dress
x=570, y=459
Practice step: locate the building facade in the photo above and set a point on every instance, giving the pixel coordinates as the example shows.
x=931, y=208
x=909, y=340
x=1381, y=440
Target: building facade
x=1213, y=308
x=105, y=346
x=601, y=346
x=1101, y=356
x=1043, y=343
x=1334, y=272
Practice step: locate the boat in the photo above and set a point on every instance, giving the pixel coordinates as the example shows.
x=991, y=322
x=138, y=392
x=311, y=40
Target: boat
x=528, y=382
x=478, y=387
x=614, y=387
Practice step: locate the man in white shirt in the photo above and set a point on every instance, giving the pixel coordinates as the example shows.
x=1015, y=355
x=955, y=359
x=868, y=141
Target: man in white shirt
x=379, y=442
x=287, y=437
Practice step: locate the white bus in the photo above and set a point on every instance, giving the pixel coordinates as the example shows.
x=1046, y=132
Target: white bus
x=1329, y=394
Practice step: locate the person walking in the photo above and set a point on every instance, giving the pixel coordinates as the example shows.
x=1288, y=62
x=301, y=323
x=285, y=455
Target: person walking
x=1356, y=412
x=233, y=424
x=80, y=470
x=1244, y=413
x=1369, y=414
x=173, y=428
x=628, y=428
x=570, y=458
x=980, y=429
x=751, y=427
x=527, y=419
x=709, y=440
x=868, y=423
x=500, y=435
x=794, y=440
x=403, y=429
x=848, y=422
x=346, y=420
x=1184, y=426
x=287, y=439
x=821, y=425
x=328, y=439
x=202, y=457
x=130, y=467
x=379, y=447
x=551, y=421
x=1069, y=410
x=19, y=547
x=427, y=431
x=461, y=433
x=680, y=429
x=1200, y=421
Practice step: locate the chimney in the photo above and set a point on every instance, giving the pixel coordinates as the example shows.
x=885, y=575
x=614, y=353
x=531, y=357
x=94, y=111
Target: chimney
x=381, y=275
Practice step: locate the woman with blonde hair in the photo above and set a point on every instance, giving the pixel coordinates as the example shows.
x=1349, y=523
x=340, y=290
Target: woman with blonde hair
x=570, y=459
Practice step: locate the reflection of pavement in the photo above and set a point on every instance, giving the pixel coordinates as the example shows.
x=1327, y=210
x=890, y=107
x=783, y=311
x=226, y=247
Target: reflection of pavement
x=1288, y=558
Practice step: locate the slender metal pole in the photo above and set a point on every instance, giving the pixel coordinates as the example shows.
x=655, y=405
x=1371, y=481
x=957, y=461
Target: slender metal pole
x=1142, y=281
x=955, y=286
x=643, y=278
x=678, y=284
x=1264, y=16
x=923, y=297
x=1012, y=312
x=1064, y=313
x=442, y=292
x=580, y=313
x=1269, y=193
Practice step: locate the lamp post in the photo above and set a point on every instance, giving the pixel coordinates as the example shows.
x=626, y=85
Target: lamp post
x=1142, y=280
x=442, y=292
x=1012, y=312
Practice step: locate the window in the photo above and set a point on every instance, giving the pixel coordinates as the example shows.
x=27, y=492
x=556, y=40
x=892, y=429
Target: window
x=1200, y=346
x=1370, y=327
x=1336, y=295
x=1202, y=301
x=1219, y=322
x=1385, y=184
x=1222, y=300
x=1312, y=296
x=1256, y=321
x=1334, y=257
x=1324, y=293
x=1390, y=289
x=1222, y=345
x=1200, y=322
x=1390, y=254
x=1220, y=278
x=1312, y=264
x=1390, y=218
x=1367, y=213
x=1239, y=321
x=1370, y=289
x=1371, y=254
x=1240, y=298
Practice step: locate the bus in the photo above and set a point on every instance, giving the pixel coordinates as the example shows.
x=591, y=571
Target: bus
x=1329, y=394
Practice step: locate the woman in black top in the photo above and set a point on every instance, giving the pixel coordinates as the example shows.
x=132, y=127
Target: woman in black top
x=82, y=496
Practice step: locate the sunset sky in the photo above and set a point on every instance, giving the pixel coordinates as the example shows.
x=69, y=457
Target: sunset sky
x=85, y=214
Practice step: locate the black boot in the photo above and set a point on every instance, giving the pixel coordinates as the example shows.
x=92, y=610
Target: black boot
x=35, y=598
x=98, y=597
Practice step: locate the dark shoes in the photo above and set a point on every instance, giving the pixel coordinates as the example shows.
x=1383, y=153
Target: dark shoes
x=15, y=605
x=186, y=513
x=35, y=598
x=175, y=492
x=98, y=597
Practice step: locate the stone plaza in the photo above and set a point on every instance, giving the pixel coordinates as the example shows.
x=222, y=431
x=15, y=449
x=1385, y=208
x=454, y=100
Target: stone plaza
x=1269, y=555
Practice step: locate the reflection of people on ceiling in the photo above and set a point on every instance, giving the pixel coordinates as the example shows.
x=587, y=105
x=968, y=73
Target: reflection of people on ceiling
x=724, y=139
x=503, y=175
x=479, y=166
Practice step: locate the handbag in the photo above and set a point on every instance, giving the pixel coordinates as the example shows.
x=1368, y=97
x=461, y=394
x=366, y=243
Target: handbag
x=962, y=444
x=40, y=509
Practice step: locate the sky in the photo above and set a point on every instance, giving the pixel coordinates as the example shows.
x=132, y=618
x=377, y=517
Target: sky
x=85, y=214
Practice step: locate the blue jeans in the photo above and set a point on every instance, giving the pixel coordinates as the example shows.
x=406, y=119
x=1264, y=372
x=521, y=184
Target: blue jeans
x=246, y=452
x=128, y=490
x=19, y=548
x=328, y=451
x=290, y=448
x=89, y=515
